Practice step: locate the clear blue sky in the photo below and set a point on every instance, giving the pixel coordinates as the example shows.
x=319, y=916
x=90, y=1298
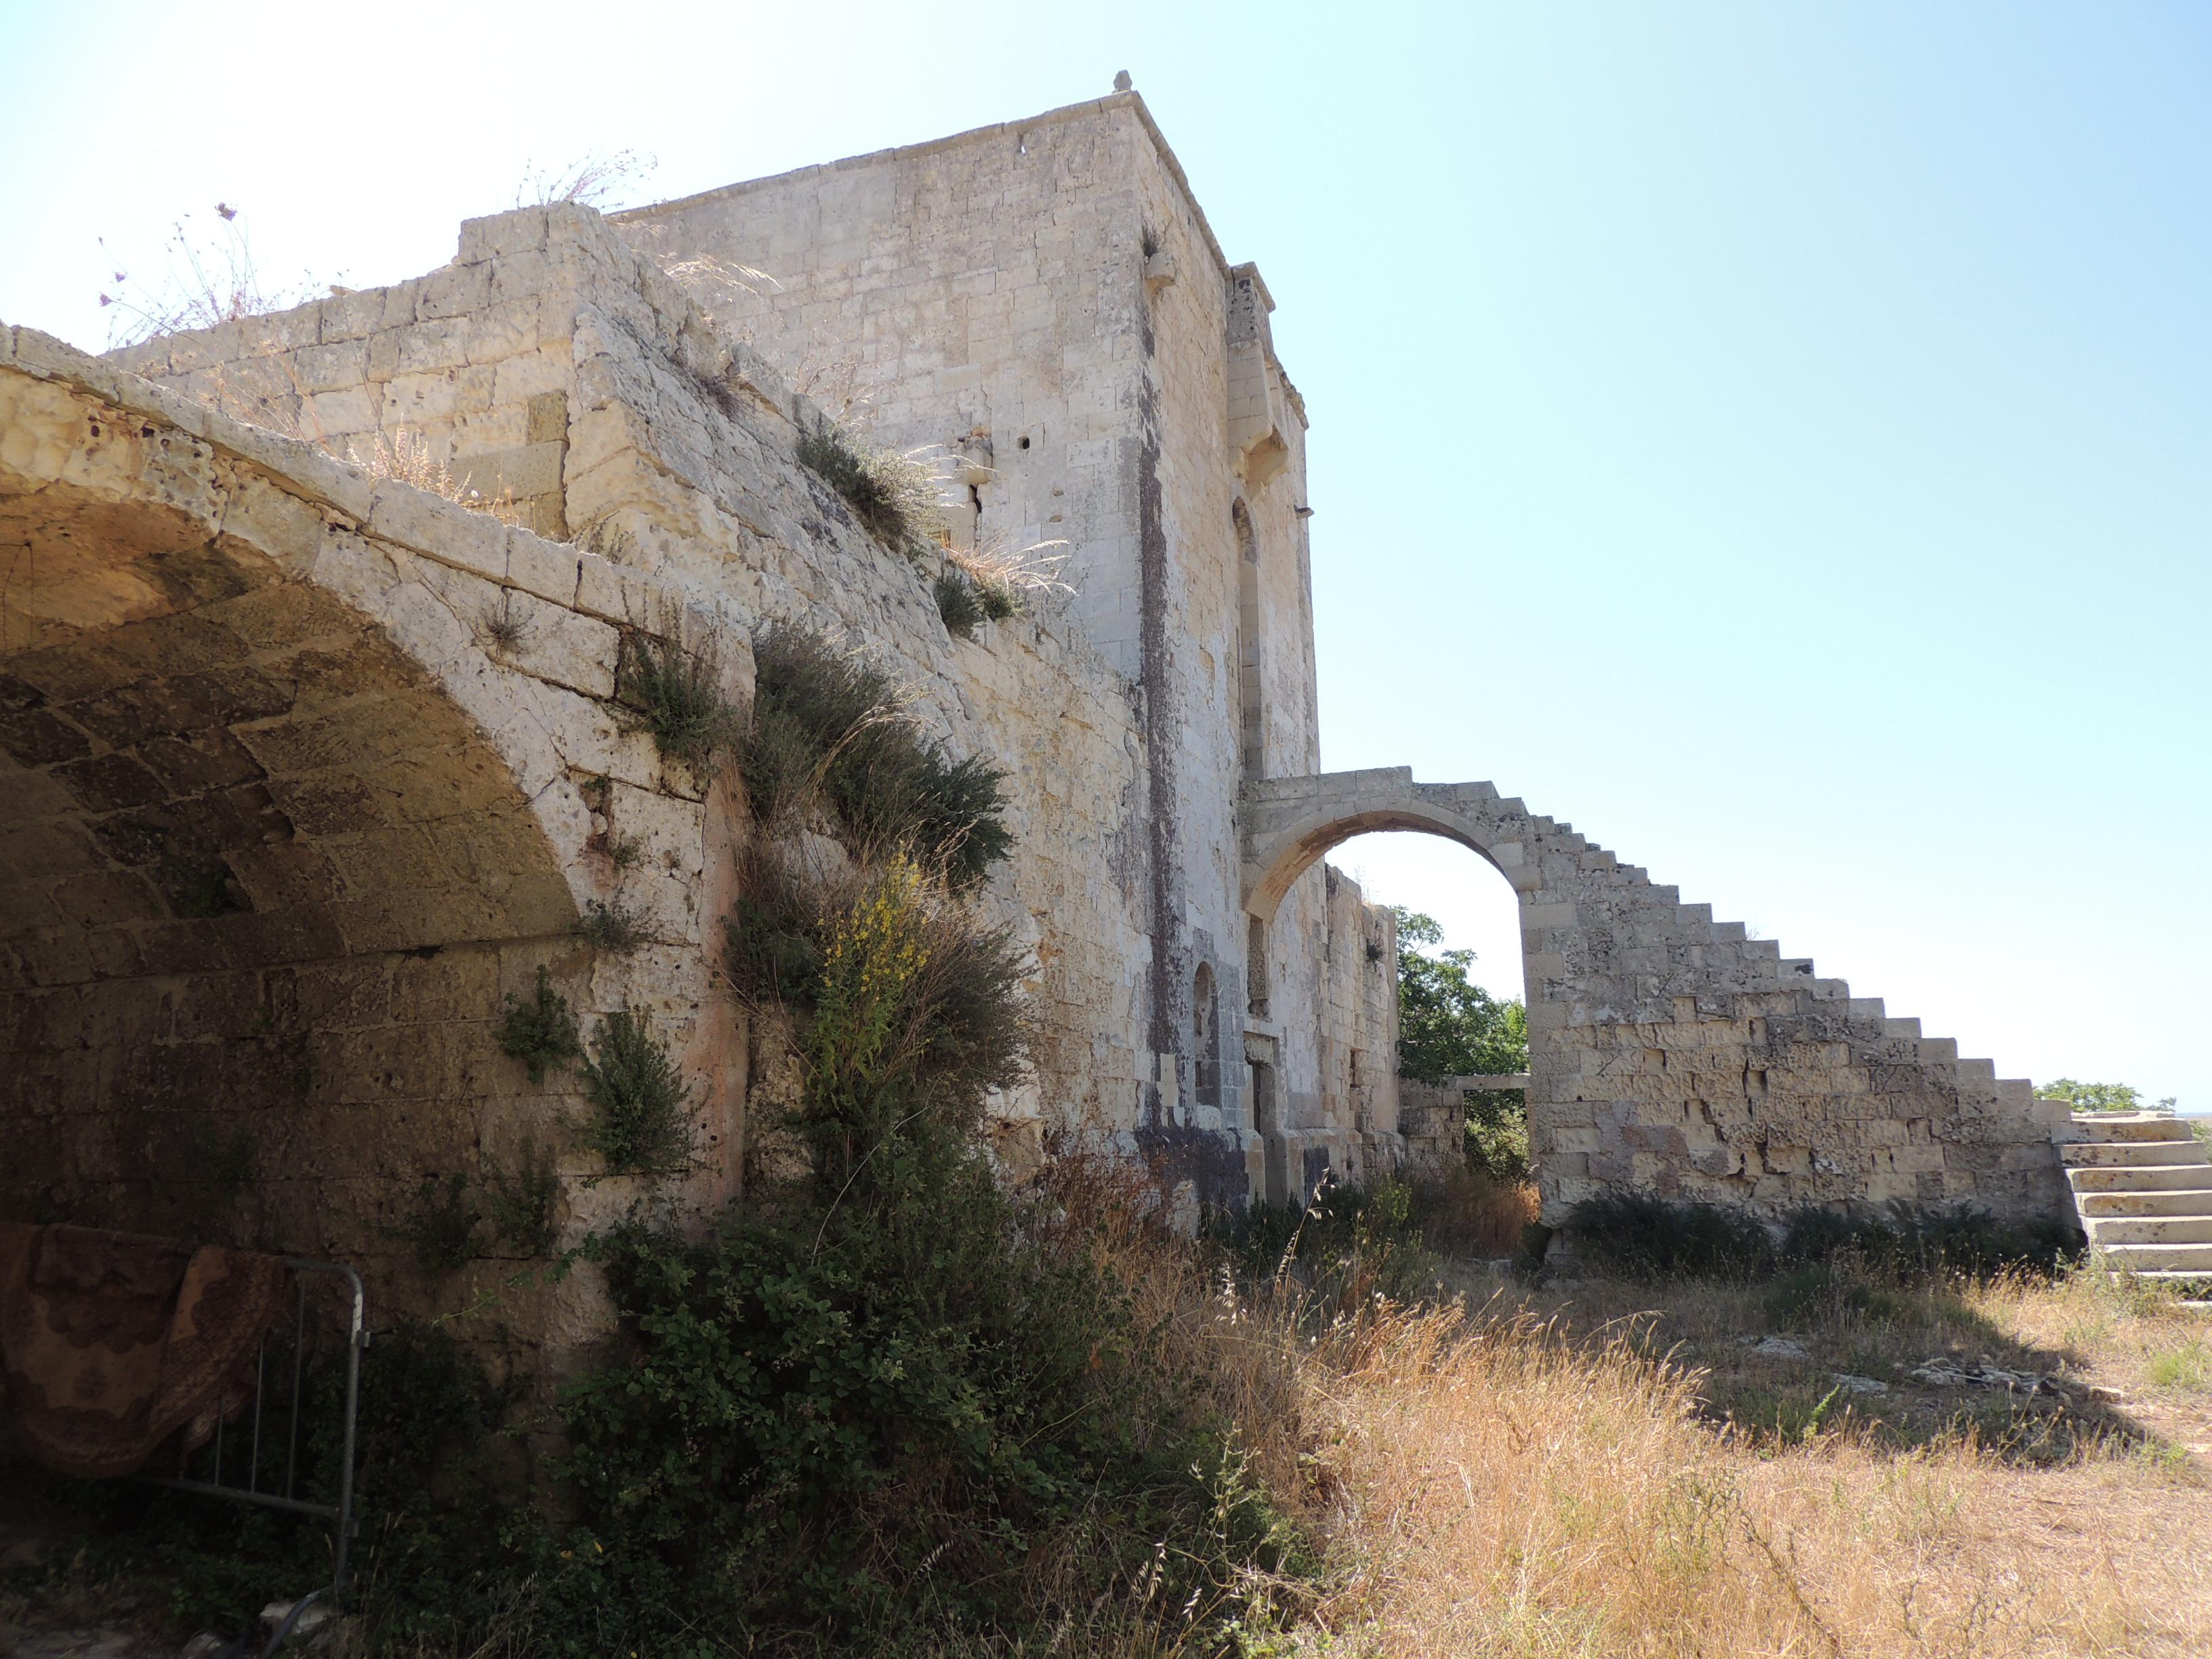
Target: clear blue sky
x=1772, y=437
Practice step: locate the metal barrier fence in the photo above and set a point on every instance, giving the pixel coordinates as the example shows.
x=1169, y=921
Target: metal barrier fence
x=260, y=1434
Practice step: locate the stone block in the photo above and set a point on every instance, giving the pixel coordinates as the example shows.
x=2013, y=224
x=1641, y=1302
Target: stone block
x=556, y=644
x=548, y=570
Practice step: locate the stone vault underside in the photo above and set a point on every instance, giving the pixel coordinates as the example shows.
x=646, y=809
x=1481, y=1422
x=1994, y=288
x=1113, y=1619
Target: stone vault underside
x=256, y=865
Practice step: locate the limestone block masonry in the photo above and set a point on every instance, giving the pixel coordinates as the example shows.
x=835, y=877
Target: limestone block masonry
x=306, y=772
x=1670, y=1053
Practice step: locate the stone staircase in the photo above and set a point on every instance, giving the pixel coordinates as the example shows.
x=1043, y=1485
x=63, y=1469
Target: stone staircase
x=1672, y=1051
x=2143, y=1186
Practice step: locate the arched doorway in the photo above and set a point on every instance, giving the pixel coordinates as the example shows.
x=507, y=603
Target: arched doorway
x=1461, y=1001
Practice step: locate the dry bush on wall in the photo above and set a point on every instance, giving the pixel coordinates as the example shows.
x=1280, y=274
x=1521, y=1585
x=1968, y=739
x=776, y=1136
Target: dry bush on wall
x=211, y=277
x=896, y=495
x=829, y=733
x=593, y=180
x=674, y=685
x=1023, y=574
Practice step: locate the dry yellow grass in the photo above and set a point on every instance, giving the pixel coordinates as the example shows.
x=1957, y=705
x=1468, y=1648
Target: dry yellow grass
x=1585, y=1471
x=1492, y=1485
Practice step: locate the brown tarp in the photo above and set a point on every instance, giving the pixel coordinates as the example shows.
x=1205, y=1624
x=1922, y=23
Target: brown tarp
x=118, y=1347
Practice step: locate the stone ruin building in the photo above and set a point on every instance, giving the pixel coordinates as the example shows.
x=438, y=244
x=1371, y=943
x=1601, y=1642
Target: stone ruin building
x=282, y=823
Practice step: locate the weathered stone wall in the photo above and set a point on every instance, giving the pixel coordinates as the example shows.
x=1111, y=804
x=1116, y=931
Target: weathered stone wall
x=1670, y=1053
x=679, y=459
x=309, y=769
x=1046, y=299
x=283, y=826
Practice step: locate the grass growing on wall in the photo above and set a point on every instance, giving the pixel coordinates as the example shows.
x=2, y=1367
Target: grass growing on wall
x=676, y=687
x=894, y=494
x=828, y=730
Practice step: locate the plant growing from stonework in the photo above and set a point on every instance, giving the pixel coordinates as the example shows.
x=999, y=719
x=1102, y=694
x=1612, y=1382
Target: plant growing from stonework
x=640, y=1121
x=958, y=604
x=675, y=689
x=865, y=1404
x=540, y=1032
x=520, y=1199
x=1011, y=578
x=829, y=733
x=895, y=496
x=612, y=926
x=210, y=276
x=442, y=1227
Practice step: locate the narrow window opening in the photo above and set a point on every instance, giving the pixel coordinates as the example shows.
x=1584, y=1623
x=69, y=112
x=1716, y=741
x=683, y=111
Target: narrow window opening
x=1256, y=967
x=1251, y=704
x=1205, y=1038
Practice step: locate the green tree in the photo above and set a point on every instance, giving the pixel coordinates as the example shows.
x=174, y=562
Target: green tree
x=1449, y=1026
x=2101, y=1096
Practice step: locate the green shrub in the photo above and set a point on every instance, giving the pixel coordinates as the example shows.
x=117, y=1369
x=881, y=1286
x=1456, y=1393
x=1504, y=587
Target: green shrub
x=1640, y=1235
x=895, y=496
x=869, y=1404
x=1496, y=1135
x=966, y=600
x=959, y=603
x=1637, y=1235
x=541, y=1032
x=641, y=1121
x=1801, y=1293
x=1906, y=1242
x=677, y=691
x=442, y=1228
x=519, y=1202
x=614, y=927
x=825, y=727
x=1344, y=1245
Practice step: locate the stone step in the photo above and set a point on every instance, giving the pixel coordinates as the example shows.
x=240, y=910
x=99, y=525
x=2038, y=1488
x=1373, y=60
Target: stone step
x=2105, y=1231
x=2177, y=1202
x=2137, y=1178
x=2160, y=1258
x=2109, y=1127
x=2128, y=1154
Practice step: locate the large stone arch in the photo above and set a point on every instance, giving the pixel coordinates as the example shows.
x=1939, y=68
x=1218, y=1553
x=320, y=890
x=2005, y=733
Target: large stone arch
x=274, y=835
x=1291, y=824
x=1670, y=1053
